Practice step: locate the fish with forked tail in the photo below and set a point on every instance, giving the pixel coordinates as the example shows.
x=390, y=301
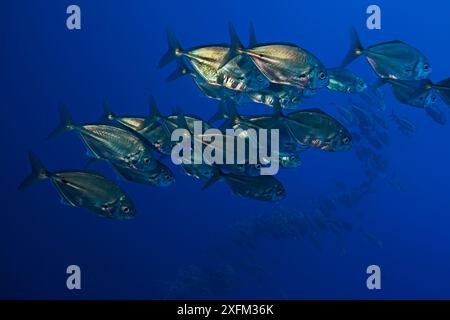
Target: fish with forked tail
x=84, y=189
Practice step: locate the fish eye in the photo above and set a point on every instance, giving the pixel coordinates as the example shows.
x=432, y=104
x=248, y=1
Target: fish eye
x=346, y=140
x=259, y=78
x=146, y=160
x=125, y=209
x=426, y=67
x=322, y=75
x=258, y=166
x=294, y=99
x=292, y=158
x=303, y=75
x=433, y=98
x=279, y=192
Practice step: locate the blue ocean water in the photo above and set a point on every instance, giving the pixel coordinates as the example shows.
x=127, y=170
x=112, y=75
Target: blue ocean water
x=182, y=243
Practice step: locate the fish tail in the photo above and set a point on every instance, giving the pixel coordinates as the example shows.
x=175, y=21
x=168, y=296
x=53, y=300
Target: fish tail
x=356, y=48
x=235, y=46
x=252, y=36
x=216, y=177
x=66, y=123
x=444, y=84
x=220, y=114
x=181, y=70
x=443, y=87
x=174, y=51
x=38, y=172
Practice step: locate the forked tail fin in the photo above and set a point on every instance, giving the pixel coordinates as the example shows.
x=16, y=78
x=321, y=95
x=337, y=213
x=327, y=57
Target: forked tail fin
x=38, y=172
x=65, y=124
x=443, y=87
x=356, y=49
x=173, y=51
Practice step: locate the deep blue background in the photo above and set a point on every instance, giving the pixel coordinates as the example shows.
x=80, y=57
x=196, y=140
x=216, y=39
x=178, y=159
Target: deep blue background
x=115, y=56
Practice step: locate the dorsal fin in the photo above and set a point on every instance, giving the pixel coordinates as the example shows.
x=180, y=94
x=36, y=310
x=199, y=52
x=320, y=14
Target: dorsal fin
x=235, y=46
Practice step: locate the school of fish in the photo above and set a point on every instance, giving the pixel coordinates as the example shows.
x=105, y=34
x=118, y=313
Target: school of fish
x=279, y=75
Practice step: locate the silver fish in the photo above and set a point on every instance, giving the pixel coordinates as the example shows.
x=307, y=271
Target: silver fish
x=115, y=144
x=282, y=63
x=287, y=97
x=392, y=59
x=416, y=93
x=227, y=110
x=84, y=189
x=344, y=80
x=241, y=74
x=156, y=128
x=315, y=128
x=210, y=90
x=238, y=73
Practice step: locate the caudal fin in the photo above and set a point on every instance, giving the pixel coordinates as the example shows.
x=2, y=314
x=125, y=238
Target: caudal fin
x=356, y=49
x=173, y=51
x=443, y=87
x=235, y=46
x=38, y=172
x=65, y=122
